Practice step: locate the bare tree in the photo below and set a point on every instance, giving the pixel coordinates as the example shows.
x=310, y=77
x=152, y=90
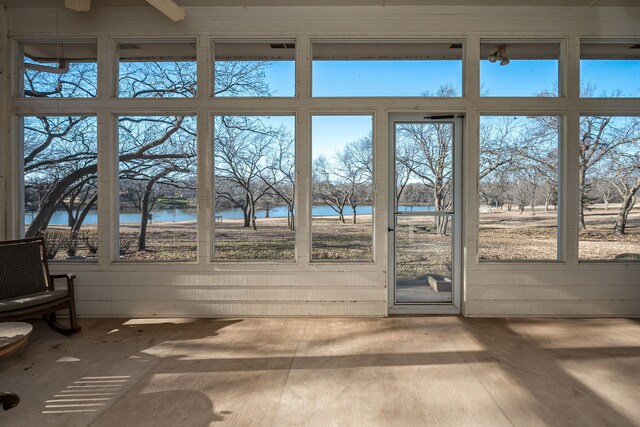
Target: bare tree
x=171, y=162
x=627, y=183
x=354, y=169
x=600, y=138
x=157, y=79
x=432, y=164
x=279, y=172
x=326, y=187
x=242, y=145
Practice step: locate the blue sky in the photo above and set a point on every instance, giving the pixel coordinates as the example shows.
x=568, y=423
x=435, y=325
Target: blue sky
x=412, y=78
x=331, y=133
x=391, y=78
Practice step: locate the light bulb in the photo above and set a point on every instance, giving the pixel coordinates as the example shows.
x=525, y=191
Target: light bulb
x=505, y=61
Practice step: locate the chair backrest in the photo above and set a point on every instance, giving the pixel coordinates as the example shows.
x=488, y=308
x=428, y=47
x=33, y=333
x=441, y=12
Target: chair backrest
x=23, y=267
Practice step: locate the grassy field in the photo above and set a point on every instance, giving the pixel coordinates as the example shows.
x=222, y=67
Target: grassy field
x=333, y=240
x=420, y=251
x=503, y=235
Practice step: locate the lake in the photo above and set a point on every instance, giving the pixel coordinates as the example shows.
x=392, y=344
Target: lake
x=175, y=215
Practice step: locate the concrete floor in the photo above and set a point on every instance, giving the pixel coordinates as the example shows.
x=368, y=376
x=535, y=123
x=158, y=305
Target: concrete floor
x=402, y=371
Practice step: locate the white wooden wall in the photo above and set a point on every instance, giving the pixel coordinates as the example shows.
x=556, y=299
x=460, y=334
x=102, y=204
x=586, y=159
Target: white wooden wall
x=564, y=288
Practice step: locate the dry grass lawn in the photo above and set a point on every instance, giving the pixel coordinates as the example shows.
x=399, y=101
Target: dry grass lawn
x=503, y=235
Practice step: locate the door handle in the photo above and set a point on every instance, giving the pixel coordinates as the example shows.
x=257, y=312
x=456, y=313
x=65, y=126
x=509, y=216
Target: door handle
x=391, y=229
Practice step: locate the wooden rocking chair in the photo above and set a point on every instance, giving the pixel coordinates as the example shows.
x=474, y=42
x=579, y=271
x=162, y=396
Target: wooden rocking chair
x=27, y=288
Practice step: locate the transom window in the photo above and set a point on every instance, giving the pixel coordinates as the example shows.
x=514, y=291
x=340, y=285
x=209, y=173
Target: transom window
x=429, y=69
x=522, y=69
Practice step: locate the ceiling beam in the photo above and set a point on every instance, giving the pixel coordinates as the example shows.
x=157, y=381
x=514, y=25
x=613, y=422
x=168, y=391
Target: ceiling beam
x=169, y=8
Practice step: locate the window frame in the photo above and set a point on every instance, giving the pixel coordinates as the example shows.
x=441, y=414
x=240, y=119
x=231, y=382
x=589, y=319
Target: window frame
x=18, y=70
x=577, y=215
x=562, y=61
x=391, y=40
x=114, y=74
x=18, y=124
x=212, y=203
x=231, y=40
x=561, y=177
x=114, y=201
x=602, y=40
x=374, y=189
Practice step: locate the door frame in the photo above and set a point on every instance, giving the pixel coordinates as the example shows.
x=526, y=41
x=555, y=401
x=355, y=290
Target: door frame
x=457, y=280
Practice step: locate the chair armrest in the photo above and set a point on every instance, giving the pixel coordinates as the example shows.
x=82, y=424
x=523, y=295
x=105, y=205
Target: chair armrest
x=69, y=278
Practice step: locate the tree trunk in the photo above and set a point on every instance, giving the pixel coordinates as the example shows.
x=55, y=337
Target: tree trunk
x=70, y=219
x=144, y=219
x=627, y=204
x=50, y=202
x=442, y=225
x=355, y=215
x=252, y=209
x=547, y=201
x=246, y=211
x=581, y=224
x=521, y=208
x=85, y=211
x=292, y=218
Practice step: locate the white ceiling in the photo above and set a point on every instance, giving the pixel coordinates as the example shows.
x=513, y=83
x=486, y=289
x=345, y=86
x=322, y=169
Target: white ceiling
x=190, y=3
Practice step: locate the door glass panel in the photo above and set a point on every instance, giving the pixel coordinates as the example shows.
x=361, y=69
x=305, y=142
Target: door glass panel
x=424, y=172
x=424, y=258
x=424, y=213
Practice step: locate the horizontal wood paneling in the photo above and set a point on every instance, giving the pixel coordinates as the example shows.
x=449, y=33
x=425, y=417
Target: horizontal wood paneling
x=541, y=308
x=554, y=293
x=227, y=308
x=328, y=293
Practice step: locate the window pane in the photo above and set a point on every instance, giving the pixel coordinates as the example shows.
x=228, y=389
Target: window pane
x=342, y=210
x=518, y=188
x=609, y=69
x=60, y=70
x=254, y=168
x=609, y=215
x=424, y=167
x=157, y=70
x=519, y=69
x=387, y=69
x=255, y=69
x=157, y=187
x=60, y=184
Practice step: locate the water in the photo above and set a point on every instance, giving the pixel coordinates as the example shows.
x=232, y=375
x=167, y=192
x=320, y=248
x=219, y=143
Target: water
x=179, y=215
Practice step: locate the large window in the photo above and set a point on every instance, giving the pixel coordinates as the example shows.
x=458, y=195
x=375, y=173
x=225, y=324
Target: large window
x=519, y=68
x=342, y=188
x=254, y=180
x=256, y=69
x=59, y=70
x=518, y=188
x=157, y=70
x=387, y=69
x=60, y=184
x=157, y=175
x=609, y=166
x=609, y=69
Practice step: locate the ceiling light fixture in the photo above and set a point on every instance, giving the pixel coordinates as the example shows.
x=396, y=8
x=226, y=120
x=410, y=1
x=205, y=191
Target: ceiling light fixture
x=500, y=55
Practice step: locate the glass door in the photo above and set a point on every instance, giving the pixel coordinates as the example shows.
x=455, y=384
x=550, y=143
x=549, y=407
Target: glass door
x=424, y=231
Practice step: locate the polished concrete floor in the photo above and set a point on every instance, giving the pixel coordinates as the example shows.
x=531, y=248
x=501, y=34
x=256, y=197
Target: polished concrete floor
x=404, y=371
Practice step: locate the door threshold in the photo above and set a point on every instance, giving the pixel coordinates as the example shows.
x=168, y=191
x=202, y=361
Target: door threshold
x=424, y=309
